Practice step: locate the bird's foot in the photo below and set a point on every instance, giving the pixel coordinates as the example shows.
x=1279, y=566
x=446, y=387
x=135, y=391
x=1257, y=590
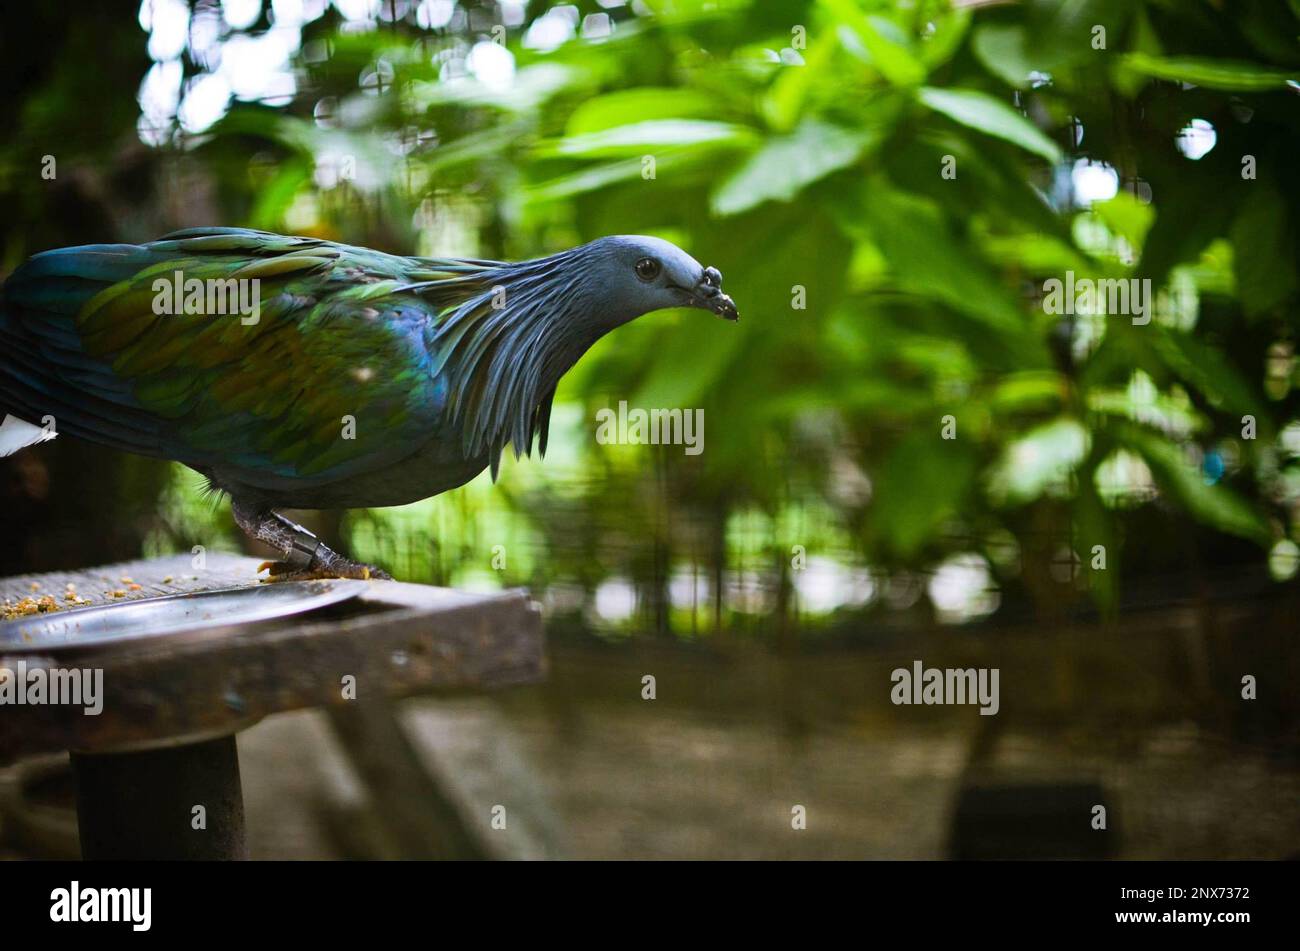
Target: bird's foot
x=305, y=556
x=340, y=568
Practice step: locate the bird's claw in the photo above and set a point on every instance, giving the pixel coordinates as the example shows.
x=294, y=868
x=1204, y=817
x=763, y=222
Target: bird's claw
x=340, y=568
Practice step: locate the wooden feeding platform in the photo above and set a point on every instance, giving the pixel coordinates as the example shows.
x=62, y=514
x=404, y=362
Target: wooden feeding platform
x=172, y=703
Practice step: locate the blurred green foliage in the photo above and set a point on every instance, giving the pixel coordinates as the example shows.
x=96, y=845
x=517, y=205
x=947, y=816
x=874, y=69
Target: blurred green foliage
x=886, y=187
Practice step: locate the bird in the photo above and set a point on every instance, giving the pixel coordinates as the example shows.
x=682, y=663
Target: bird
x=296, y=372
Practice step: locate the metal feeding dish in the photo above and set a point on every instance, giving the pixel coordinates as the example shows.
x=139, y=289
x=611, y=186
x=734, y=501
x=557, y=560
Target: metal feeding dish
x=172, y=614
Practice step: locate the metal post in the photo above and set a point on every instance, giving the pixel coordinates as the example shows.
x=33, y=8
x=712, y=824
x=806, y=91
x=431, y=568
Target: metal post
x=141, y=804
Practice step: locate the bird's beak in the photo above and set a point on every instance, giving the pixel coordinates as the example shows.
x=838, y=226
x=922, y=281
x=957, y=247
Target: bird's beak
x=708, y=294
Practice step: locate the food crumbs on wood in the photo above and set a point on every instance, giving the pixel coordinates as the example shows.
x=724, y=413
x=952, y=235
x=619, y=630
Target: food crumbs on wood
x=34, y=586
x=118, y=593
x=125, y=579
x=135, y=587
x=167, y=580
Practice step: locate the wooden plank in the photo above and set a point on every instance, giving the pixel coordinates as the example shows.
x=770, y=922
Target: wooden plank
x=399, y=640
x=476, y=753
x=418, y=811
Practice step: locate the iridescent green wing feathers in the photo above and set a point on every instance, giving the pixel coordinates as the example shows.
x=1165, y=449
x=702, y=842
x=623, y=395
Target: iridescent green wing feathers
x=313, y=364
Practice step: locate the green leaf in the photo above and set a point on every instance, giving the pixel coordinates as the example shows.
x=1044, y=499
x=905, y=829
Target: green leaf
x=784, y=166
x=924, y=481
x=1094, y=525
x=1184, y=225
x=950, y=29
x=1228, y=75
x=787, y=98
x=275, y=197
x=596, y=177
x=633, y=139
x=694, y=355
x=1126, y=217
x=1263, y=249
x=530, y=88
x=646, y=103
x=1028, y=390
x=991, y=116
x=877, y=41
x=929, y=260
x=1214, y=505
x=1043, y=457
x=472, y=148
x=1210, y=371
x=1003, y=49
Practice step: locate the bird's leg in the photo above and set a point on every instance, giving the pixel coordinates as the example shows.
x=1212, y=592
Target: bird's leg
x=305, y=555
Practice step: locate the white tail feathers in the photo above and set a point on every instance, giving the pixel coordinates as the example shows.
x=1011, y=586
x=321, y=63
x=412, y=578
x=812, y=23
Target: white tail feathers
x=18, y=434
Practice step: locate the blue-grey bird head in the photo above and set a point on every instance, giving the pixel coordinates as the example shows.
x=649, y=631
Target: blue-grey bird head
x=636, y=274
x=505, y=347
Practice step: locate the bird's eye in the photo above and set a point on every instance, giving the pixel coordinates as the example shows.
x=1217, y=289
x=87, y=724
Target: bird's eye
x=647, y=269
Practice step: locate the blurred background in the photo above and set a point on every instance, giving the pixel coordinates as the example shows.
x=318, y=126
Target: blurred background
x=886, y=186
